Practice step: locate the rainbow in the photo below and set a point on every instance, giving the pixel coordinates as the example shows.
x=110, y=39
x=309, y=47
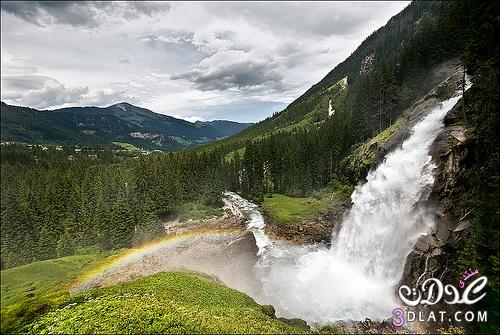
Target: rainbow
x=129, y=256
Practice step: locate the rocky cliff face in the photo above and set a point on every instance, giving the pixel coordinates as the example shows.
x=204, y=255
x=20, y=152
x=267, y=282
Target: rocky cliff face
x=435, y=255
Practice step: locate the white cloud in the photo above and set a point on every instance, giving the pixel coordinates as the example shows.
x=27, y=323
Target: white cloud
x=39, y=91
x=188, y=59
x=45, y=93
x=192, y=119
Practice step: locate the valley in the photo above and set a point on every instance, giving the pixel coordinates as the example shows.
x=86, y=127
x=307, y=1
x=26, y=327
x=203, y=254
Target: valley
x=384, y=173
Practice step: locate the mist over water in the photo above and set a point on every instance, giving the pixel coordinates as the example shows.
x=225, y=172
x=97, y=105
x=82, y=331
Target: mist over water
x=355, y=278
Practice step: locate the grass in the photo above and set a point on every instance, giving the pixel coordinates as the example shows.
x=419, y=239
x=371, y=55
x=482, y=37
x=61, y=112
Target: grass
x=127, y=146
x=364, y=157
x=28, y=289
x=171, y=302
x=42, y=277
x=285, y=209
x=383, y=136
x=339, y=85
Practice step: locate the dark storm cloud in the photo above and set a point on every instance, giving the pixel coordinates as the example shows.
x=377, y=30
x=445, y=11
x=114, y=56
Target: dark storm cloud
x=147, y=7
x=240, y=75
x=78, y=13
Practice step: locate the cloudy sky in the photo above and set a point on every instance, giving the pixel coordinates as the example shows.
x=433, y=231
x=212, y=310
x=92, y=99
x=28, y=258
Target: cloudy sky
x=235, y=61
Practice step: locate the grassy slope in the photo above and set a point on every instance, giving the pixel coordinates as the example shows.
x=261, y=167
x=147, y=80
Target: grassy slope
x=163, y=303
x=171, y=302
x=25, y=288
x=285, y=209
x=311, y=118
x=127, y=146
x=42, y=277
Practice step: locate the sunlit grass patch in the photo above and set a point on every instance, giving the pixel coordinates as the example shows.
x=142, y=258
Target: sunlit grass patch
x=31, y=289
x=126, y=146
x=172, y=302
x=285, y=209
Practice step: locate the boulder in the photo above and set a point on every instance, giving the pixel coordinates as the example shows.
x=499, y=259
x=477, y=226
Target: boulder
x=462, y=226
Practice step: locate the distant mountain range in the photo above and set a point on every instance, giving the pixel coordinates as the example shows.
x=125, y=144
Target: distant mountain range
x=121, y=123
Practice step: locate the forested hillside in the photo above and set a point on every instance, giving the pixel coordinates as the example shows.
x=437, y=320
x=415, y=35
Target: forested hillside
x=52, y=201
x=121, y=123
x=393, y=64
x=53, y=207
x=302, y=148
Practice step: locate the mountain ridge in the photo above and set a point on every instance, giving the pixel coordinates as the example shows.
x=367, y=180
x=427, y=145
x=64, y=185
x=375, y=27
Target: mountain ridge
x=120, y=122
x=383, y=61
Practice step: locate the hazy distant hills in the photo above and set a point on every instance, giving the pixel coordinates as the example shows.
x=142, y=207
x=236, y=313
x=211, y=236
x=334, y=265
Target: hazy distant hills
x=121, y=122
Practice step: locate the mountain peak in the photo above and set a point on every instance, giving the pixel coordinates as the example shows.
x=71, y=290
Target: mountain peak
x=123, y=105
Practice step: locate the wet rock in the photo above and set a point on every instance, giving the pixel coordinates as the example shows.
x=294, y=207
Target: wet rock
x=247, y=242
x=367, y=326
x=458, y=133
x=462, y=226
x=432, y=263
x=436, y=252
x=421, y=246
x=430, y=241
x=442, y=233
x=328, y=330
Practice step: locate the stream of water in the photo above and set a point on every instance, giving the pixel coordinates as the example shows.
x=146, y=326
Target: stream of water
x=356, y=276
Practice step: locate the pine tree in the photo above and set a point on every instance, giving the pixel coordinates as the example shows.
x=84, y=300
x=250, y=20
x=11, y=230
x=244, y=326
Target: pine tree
x=148, y=226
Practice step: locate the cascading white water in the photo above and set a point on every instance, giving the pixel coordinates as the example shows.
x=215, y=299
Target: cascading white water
x=255, y=222
x=384, y=221
x=355, y=278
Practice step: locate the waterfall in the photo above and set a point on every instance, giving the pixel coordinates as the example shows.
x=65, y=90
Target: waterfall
x=355, y=278
x=255, y=222
x=384, y=222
